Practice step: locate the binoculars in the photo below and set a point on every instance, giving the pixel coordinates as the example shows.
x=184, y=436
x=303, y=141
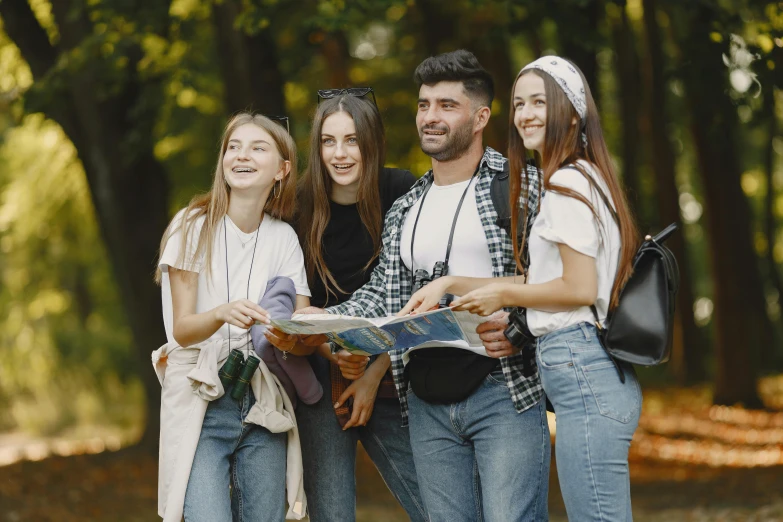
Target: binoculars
x=238, y=369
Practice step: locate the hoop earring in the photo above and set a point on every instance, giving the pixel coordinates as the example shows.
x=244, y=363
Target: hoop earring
x=275, y=190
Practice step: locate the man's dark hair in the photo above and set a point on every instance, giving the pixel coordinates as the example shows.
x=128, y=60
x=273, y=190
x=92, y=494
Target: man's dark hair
x=457, y=66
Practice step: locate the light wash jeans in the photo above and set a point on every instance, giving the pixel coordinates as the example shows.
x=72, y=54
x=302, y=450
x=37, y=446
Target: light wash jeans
x=596, y=417
x=248, y=457
x=329, y=455
x=479, y=459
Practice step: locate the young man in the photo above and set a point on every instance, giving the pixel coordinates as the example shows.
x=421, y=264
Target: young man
x=477, y=420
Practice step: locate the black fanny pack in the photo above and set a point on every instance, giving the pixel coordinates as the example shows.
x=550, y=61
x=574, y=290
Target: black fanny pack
x=446, y=375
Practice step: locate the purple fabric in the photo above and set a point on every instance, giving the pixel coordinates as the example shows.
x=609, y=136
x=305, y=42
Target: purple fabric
x=295, y=373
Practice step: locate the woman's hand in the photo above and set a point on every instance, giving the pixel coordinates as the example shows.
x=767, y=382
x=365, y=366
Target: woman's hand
x=284, y=342
x=242, y=313
x=484, y=301
x=288, y=343
x=363, y=390
x=351, y=366
x=427, y=297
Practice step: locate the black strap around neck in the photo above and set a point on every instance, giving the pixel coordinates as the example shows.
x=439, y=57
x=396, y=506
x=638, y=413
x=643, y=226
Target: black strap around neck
x=249, y=273
x=453, y=223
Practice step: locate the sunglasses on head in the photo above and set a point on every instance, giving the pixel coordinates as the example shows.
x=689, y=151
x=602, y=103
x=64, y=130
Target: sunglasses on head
x=280, y=120
x=359, y=92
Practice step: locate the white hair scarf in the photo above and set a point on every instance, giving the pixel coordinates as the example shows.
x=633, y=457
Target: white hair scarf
x=567, y=77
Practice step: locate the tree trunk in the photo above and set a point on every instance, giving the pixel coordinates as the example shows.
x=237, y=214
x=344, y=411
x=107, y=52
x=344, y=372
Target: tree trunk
x=687, y=350
x=580, y=38
x=740, y=320
x=493, y=54
x=771, y=356
x=630, y=101
x=335, y=51
x=248, y=64
x=129, y=188
x=437, y=27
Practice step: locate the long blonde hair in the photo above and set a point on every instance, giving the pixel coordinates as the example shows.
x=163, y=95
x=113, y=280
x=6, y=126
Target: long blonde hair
x=214, y=204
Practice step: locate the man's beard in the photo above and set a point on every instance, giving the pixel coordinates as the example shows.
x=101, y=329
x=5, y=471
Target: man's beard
x=456, y=144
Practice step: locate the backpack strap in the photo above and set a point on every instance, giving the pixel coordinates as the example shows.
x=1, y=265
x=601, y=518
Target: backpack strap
x=500, y=192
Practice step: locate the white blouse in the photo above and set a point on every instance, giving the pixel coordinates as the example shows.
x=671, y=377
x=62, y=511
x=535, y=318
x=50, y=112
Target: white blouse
x=566, y=220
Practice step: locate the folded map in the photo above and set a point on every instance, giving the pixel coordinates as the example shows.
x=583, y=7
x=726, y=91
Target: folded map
x=442, y=327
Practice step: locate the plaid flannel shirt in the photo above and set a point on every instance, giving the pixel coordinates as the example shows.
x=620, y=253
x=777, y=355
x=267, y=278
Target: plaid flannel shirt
x=390, y=285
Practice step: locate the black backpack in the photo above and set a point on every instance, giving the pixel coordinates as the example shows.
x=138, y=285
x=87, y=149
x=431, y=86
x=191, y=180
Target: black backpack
x=501, y=194
x=639, y=329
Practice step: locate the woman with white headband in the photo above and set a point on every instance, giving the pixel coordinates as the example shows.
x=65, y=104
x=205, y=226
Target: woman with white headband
x=579, y=254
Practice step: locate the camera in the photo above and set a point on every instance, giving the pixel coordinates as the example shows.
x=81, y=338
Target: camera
x=421, y=278
x=517, y=331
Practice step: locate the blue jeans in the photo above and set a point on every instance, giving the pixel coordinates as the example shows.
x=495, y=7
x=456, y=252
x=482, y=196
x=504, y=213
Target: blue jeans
x=479, y=459
x=249, y=458
x=329, y=455
x=596, y=417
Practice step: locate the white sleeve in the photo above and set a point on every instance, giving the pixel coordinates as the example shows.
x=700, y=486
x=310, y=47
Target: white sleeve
x=171, y=252
x=567, y=220
x=292, y=263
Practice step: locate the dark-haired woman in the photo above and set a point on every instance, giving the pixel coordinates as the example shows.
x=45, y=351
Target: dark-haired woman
x=580, y=253
x=344, y=195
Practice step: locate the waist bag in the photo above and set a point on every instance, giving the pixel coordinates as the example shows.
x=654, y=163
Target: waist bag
x=444, y=375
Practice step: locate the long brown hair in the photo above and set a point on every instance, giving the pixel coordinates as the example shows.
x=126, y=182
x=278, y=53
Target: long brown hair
x=563, y=147
x=315, y=185
x=214, y=204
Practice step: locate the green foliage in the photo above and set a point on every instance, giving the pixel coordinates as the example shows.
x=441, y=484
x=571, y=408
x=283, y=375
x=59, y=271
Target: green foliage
x=66, y=343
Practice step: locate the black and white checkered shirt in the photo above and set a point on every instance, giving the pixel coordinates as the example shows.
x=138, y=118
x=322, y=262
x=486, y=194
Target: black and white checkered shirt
x=390, y=286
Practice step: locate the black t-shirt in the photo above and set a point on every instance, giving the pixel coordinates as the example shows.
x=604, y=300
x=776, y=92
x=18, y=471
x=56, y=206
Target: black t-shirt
x=347, y=245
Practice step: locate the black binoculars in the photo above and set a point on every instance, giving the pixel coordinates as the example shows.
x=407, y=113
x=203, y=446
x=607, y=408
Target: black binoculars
x=421, y=278
x=238, y=369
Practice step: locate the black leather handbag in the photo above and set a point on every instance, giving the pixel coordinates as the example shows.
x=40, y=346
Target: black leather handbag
x=639, y=329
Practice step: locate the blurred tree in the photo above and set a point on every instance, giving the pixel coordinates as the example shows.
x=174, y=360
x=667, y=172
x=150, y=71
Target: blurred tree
x=740, y=320
x=87, y=80
x=630, y=92
x=687, y=351
x=248, y=62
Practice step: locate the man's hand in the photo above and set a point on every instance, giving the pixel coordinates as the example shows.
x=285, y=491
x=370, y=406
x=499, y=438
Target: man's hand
x=351, y=366
x=491, y=333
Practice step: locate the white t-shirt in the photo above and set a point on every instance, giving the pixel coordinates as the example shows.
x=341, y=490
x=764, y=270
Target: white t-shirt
x=277, y=253
x=469, y=251
x=566, y=220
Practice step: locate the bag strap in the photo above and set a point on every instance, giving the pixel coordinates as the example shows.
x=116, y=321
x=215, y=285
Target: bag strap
x=616, y=219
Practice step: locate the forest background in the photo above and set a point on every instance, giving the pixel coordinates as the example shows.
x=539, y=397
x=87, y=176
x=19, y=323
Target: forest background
x=111, y=112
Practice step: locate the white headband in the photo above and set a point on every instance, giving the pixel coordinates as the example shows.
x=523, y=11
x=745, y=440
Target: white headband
x=566, y=77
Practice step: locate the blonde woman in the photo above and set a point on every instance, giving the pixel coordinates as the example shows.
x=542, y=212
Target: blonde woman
x=228, y=460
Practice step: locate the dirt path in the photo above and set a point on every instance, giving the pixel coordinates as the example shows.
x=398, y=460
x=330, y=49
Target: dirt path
x=121, y=486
